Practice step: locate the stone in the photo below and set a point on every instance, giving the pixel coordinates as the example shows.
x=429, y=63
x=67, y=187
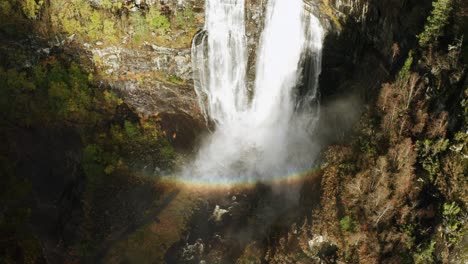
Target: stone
x=218, y=214
x=321, y=247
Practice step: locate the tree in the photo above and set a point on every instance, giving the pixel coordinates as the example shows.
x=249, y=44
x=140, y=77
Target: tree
x=436, y=22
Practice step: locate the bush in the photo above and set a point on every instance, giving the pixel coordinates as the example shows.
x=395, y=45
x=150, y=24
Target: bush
x=109, y=31
x=436, y=22
x=347, y=224
x=70, y=17
x=5, y=9
x=31, y=8
x=185, y=20
x=156, y=21
x=426, y=255
x=429, y=155
x=130, y=129
x=451, y=221
x=94, y=28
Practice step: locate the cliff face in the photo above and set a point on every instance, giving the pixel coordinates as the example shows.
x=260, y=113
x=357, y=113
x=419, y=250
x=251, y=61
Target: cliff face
x=390, y=192
x=146, y=60
x=366, y=41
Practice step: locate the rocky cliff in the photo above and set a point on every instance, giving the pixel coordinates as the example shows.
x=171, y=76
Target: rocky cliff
x=91, y=199
x=366, y=41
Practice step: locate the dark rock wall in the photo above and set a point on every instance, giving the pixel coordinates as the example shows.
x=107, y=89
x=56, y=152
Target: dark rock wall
x=366, y=42
x=370, y=41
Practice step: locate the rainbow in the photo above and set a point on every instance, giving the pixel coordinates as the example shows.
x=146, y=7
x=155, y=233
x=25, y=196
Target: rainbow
x=294, y=179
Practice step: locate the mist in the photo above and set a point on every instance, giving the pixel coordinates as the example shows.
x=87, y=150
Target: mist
x=270, y=135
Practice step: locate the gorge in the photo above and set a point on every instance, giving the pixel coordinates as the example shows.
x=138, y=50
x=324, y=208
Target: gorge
x=233, y=131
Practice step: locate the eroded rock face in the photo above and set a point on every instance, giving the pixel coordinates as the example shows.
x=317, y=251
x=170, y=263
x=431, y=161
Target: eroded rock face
x=118, y=60
x=154, y=80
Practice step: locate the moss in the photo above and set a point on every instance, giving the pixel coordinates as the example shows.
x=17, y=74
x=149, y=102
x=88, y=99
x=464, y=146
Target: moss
x=175, y=79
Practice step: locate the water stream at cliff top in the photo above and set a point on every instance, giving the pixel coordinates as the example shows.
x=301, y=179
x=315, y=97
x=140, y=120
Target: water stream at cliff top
x=270, y=133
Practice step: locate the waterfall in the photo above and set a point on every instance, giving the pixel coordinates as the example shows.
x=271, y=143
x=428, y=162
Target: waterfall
x=221, y=73
x=270, y=134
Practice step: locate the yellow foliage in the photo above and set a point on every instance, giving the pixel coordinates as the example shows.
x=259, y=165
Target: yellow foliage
x=31, y=8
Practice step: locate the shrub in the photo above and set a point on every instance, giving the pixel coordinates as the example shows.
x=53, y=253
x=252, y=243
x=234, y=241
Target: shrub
x=5, y=8
x=429, y=152
x=31, y=8
x=347, y=224
x=426, y=255
x=175, y=79
x=130, y=129
x=451, y=221
x=186, y=19
x=70, y=17
x=156, y=20
x=94, y=28
x=111, y=98
x=109, y=31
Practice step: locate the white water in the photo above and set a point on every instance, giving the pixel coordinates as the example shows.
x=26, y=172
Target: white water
x=270, y=134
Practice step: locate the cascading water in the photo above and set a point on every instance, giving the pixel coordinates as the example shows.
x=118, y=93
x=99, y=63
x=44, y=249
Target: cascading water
x=270, y=134
x=221, y=72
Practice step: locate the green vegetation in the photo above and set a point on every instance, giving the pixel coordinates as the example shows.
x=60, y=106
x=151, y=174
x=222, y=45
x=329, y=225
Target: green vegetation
x=31, y=8
x=429, y=154
x=347, y=224
x=175, y=79
x=48, y=94
x=156, y=21
x=405, y=71
x=426, y=255
x=453, y=222
x=56, y=95
x=186, y=19
x=436, y=22
x=105, y=21
x=402, y=176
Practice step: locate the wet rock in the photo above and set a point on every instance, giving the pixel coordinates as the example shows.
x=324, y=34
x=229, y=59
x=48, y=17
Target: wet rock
x=218, y=213
x=321, y=248
x=315, y=244
x=194, y=251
